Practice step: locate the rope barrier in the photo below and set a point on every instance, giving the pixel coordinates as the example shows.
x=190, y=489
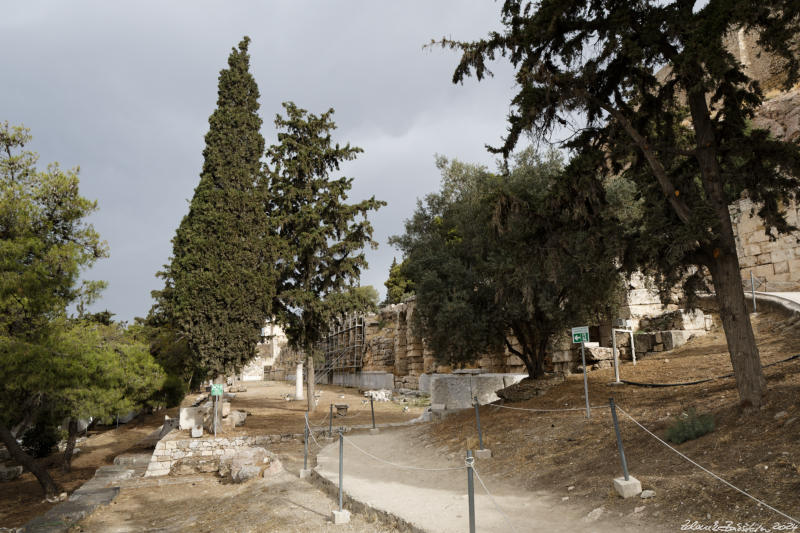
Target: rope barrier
x=706, y=380
x=499, y=510
x=547, y=410
x=403, y=467
x=707, y=471
x=311, y=432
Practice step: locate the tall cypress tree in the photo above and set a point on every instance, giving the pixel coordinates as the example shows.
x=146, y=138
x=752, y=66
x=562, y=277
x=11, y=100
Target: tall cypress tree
x=219, y=284
x=324, y=235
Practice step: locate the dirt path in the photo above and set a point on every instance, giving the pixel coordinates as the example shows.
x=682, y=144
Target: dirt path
x=206, y=504
x=436, y=500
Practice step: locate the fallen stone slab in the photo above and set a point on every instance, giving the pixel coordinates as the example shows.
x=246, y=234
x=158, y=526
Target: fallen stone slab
x=10, y=473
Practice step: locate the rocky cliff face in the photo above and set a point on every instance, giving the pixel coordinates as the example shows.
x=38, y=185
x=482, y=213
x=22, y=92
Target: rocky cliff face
x=781, y=116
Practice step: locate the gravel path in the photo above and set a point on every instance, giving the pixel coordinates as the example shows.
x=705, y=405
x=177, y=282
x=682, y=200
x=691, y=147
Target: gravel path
x=436, y=500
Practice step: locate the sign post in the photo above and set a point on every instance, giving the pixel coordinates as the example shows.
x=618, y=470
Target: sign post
x=581, y=335
x=216, y=393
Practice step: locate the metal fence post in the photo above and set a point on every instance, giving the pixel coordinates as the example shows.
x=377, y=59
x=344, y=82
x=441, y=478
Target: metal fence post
x=585, y=382
x=478, y=420
x=616, y=354
x=619, y=439
x=753, y=290
x=330, y=422
x=305, y=446
x=471, y=491
x=341, y=466
x=372, y=408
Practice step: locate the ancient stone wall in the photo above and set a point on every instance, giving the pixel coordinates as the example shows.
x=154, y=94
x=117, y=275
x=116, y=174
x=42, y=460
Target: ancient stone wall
x=173, y=448
x=775, y=260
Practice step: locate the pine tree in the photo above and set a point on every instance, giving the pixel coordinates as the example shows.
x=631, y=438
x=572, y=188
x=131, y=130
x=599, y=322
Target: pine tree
x=219, y=284
x=323, y=234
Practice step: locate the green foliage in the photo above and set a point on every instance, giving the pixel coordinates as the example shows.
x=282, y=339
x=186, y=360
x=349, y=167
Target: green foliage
x=353, y=300
x=689, y=426
x=44, y=239
x=682, y=140
x=40, y=439
x=220, y=282
x=522, y=255
x=398, y=287
x=323, y=236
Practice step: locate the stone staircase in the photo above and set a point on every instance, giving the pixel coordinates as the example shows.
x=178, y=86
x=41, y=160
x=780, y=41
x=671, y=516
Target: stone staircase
x=98, y=491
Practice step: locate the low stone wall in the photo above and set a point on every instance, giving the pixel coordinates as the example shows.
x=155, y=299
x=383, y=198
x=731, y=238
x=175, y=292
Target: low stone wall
x=364, y=380
x=456, y=391
x=173, y=447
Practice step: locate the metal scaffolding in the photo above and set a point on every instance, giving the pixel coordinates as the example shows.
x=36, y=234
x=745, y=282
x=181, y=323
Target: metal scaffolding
x=343, y=346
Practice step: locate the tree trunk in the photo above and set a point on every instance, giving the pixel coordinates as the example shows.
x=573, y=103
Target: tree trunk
x=312, y=405
x=51, y=488
x=72, y=435
x=534, y=361
x=739, y=335
x=725, y=264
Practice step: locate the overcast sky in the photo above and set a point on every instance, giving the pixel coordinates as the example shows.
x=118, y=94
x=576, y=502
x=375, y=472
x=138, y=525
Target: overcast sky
x=124, y=90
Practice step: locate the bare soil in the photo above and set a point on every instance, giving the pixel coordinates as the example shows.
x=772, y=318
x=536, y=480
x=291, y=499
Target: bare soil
x=537, y=452
x=269, y=414
x=22, y=499
x=759, y=452
x=206, y=504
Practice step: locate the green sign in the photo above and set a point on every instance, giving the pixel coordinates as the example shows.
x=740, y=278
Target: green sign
x=580, y=334
x=216, y=390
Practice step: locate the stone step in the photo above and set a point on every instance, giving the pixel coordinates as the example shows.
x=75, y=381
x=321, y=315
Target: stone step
x=133, y=460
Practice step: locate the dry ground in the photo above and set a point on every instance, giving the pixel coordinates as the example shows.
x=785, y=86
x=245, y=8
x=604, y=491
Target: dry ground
x=269, y=413
x=759, y=453
x=21, y=499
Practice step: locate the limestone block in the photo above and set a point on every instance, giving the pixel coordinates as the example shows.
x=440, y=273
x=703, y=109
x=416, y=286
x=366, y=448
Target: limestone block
x=627, y=488
x=191, y=417
x=781, y=254
x=675, y=338
x=764, y=259
x=658, y=338
x=226, y=408
x=794, y=265
x=757, y=237
x=642, y=297
x=457, y=391
x=747, y=261
x=643, y=342
x=597, y=353
x=341, y=517
x=781, y=267
x=764, y=270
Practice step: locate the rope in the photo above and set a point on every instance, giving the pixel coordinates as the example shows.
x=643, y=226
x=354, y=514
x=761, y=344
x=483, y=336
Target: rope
x=499, y=510
x=548, y=410
x=709, y=472
x=311, y=432
x=403, y=467
x=685, y=383
x=320, y=425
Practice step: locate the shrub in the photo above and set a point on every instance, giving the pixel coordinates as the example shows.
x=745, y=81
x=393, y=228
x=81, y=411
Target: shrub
x=689, y=425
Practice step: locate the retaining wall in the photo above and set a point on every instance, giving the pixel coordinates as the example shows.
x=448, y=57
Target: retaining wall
x=456, y=391
x=172, y=448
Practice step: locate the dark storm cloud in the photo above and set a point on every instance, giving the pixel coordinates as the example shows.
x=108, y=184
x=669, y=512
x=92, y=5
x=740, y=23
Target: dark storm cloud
x=125, y=89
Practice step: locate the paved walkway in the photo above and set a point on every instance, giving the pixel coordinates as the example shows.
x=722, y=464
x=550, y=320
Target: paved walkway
x=436, y=500
x=793, y=296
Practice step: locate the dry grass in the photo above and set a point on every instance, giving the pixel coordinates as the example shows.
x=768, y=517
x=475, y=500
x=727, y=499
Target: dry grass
x=760, y=453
